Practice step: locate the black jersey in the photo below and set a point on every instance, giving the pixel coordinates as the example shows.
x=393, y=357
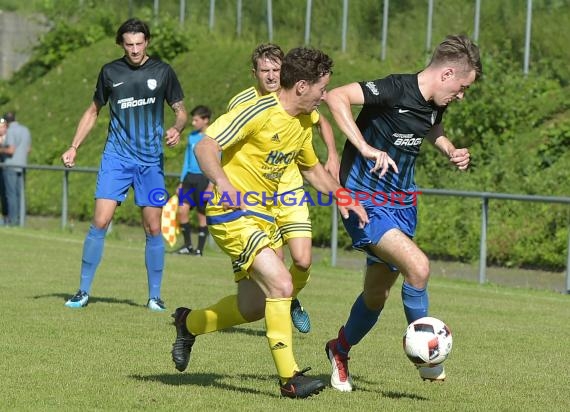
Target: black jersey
x=136, y=96
x=395, y=118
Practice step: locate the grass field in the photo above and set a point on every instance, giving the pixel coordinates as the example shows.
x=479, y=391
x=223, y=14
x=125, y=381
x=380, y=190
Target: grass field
x=510, y=345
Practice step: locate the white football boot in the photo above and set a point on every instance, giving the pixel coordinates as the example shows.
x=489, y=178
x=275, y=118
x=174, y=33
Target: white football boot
x=432, y=373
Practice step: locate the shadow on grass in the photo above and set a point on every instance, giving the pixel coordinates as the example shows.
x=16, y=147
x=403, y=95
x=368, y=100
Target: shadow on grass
x=401, y=395
x=92, y=300
x=244, y=331
x=210, y=380
x=217, y=381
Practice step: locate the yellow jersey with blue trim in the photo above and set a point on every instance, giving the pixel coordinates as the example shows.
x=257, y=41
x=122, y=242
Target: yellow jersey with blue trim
x=259, y=141
x=292, y=178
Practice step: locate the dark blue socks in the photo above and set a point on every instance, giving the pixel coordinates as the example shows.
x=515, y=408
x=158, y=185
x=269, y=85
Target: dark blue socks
x=360, y=321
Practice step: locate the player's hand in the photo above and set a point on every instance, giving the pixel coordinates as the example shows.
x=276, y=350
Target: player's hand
x=68, y=157
x=172, y=137
x=460, y=157
x=230, y=197
x=381, y=160
x=333, y=167
x=356, y=209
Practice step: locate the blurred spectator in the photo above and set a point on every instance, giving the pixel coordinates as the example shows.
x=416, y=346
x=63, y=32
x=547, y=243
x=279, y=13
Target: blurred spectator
x=15, y=150
x=194, y=183
x=3, y=201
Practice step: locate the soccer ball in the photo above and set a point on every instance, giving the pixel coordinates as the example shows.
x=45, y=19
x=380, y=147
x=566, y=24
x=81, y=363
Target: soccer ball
x=427, y=341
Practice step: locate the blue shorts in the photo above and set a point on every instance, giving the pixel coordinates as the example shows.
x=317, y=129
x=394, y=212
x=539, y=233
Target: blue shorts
x=116, y=176
x=381, y=220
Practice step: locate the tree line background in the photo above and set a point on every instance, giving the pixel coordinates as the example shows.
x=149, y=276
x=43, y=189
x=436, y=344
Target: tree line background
x=517, y=126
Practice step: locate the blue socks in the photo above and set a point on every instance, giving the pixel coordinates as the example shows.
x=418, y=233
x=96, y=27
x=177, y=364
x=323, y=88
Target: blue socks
x=154, y=260
x=415, y=301
x=361, y=319
x=92, y=252
x=359, y=323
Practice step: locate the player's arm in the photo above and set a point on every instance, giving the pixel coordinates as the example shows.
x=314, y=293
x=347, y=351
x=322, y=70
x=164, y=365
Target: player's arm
x=173, y=133
x=459, y=157
x=321, y=180
x=184, y=171
x=339, y=101
x=8, y=150
x=332, y=164
x=86, y=124
x=207, y=152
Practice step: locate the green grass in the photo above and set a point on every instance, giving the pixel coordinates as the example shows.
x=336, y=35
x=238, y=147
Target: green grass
x=510, y=345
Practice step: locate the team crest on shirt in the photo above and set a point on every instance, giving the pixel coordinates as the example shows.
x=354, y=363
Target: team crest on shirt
x=151, y=83
x=372, y=87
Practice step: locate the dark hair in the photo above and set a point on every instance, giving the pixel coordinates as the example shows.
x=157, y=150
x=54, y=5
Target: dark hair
x=459, y=50
x=132, y=26
x=267, y=51
x=302, y=63
x=202, y=111
x=9, y=117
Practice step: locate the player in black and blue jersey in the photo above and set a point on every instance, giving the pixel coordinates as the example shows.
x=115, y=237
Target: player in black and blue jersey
x=378, y=162
x=136, y=87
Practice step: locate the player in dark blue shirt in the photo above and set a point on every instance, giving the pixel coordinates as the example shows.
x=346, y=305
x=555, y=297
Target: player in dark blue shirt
x=377, y=167
x=136, y=87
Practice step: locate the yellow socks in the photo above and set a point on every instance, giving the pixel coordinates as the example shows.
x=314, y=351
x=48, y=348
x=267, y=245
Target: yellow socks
x=300, y=279
x=280, y=336
x=221, y=315
x=225, y=314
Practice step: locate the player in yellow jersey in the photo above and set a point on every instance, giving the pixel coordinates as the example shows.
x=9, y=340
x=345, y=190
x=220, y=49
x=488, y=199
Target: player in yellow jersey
x=257, y=142
x=293, y=220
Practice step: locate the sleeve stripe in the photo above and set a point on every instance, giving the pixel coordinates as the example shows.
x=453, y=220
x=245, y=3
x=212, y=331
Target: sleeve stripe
x=226, y=135
x=245, y=96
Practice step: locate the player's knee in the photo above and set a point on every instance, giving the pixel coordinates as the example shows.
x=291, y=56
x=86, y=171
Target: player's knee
x=101, y=223
x=281, y=287
x=418, y=276
x=302, y=261
x=283, y=290
x=302, y=265
x=152, y=229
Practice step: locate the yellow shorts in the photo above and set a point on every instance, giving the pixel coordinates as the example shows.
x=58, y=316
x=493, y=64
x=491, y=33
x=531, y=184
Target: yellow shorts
x=242, y=239
x=292, y=215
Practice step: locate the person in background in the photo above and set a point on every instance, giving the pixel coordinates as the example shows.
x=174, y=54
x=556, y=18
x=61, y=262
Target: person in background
x=136, y=87
x=193, y=184
x=292, y=218
x=17, y=146
x=3, y=200
x=398, y=113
